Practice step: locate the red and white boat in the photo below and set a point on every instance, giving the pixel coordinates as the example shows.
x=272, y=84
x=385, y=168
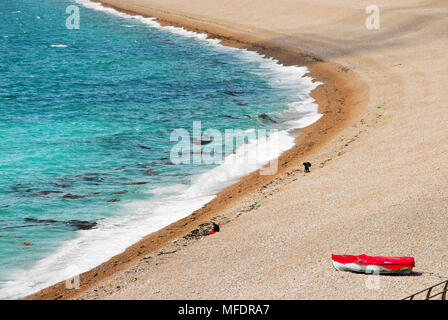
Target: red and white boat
x=376, y=265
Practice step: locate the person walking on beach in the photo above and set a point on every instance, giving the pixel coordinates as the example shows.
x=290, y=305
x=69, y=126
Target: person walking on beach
x=307, y=166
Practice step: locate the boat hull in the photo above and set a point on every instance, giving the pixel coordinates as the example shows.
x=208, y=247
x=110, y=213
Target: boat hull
x=376, y=265
x=369, y=269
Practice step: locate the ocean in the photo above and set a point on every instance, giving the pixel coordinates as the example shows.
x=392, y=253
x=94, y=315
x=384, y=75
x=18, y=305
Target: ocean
x=90, y=117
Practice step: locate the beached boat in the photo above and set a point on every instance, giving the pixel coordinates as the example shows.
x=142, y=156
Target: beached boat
x=376, y=265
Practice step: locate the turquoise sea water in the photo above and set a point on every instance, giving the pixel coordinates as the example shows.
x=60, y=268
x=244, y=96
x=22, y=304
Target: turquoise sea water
x=83, y=112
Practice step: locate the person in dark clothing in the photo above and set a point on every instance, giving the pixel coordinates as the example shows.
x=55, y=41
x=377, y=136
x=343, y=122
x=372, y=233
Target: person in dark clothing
x=215, y=229
x=307, y=166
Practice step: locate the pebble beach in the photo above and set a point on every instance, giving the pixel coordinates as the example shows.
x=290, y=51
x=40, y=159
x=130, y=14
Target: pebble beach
x=379, y=178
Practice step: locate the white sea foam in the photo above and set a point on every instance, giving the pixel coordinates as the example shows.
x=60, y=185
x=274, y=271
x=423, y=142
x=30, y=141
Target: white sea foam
x=139, y=218
x=59, y=46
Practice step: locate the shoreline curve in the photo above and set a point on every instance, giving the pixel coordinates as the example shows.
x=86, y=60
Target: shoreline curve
x=340, y=99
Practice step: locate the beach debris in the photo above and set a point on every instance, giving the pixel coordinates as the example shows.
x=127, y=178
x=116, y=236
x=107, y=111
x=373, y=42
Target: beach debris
x=113, y=200
x=26, y=243
x=379, y=107
x=162, y=252
x=72, y=196
x=307, y=166
x=78, y=224
x=250, y=207
x=112, y=284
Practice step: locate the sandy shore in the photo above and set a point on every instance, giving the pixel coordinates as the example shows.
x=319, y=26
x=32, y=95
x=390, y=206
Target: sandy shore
x=379, y=180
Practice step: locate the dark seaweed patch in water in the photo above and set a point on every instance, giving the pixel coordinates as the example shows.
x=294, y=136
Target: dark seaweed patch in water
x=63, y=185
x=47, y=192
x=267, y=118
x=72, y=196
x=233, y=93
x=120, y=192
x=144, y=147
x=78, y=224
x=231, y=117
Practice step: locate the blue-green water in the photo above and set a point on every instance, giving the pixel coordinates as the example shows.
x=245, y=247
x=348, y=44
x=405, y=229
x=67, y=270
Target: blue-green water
x=83, y=112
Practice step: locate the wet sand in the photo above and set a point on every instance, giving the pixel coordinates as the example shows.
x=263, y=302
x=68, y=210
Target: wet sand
x=378, y=184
